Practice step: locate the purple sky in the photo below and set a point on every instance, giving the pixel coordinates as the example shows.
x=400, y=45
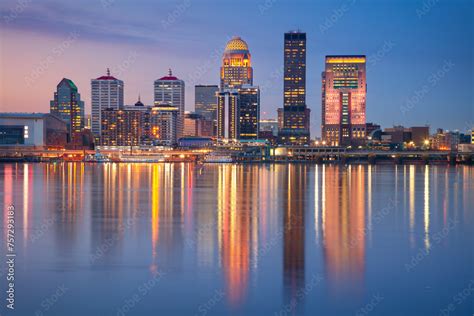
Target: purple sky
x=420, y=53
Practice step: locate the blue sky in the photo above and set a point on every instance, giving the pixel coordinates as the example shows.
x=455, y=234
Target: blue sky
x=420, y=53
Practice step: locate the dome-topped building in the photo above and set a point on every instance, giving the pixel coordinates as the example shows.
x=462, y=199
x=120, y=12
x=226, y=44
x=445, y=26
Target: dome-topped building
x=236, y=44
x=236, y=67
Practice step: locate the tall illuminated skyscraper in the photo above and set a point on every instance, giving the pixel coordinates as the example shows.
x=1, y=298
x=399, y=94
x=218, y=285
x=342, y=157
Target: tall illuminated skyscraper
x=170, y=90
x=236, y=67
x=344, y=91
x=107, y=92
x=68, y=106
x=238, y=108
x=296, y=116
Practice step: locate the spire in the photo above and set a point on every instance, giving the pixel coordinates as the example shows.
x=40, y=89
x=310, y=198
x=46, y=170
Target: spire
x=108, y=72
x=139, y=97
x=169, y=72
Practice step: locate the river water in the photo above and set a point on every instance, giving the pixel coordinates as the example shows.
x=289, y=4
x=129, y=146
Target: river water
x=240, y=239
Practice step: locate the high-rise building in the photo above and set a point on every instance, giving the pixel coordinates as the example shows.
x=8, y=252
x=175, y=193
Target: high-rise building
x=249, y=112
x=68, y=106
x=344, y=90
x=296, y=115
x=163, y=121
x=205, y=101
x=107, y=93
x=197, y=125
x=121, y=127
x=236, y=67
x=169, y=90
x=238, y=107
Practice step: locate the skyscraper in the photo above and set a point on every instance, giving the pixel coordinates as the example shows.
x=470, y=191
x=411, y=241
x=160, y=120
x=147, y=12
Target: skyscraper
x=107, y=92
x=295, y=129
x=236, y=67
x=249, y=112
x=170, y=90
x=344, y=90
x=205, y=101
x=68, y=106
x=238, y=108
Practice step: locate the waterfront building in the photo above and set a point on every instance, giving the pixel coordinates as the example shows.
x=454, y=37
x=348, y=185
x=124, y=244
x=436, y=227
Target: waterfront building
x=122, y=127
x=32, y=130
x=236, y=69
x=68, y=106
x=238, y=104
x=197, y=125
x=205, y=101
x=107, y=93
x=296, y=115
x=163, y=124
x=344, y=90
x=269, y=125
x=445, y=140
x=169, y=90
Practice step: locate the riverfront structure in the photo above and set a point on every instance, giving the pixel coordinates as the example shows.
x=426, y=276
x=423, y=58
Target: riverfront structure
x=238, y=107
x=296, y=116
x=344, y=90
x=107, y=93
x=37, y=131
x=68, y=106
x=169, y=90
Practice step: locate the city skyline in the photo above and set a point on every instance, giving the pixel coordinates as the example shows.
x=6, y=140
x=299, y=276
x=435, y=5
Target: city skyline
x=423, y=64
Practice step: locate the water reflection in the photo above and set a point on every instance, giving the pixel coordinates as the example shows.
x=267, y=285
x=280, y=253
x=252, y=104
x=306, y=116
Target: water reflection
x=344, y=229
x=245, y=228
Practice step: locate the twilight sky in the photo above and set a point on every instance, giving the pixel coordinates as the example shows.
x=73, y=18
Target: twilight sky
x=420, y=53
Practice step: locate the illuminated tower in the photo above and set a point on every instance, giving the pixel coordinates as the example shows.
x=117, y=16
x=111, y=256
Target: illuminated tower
x=170, y=90
x=344, y=90
x=107, y=92
x=68, y=106
x=236, y=67
x=295, y=129
x=238, y=106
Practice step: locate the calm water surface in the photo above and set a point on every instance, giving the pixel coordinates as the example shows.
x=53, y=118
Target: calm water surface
x=296, y=239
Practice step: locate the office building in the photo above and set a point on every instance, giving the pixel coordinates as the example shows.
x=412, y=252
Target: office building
x=344, y=90
x=33, y=130
x=238, y=104
x=169, y=90
x=163, y=125
x=107, y=93
x=68, y=106
x=236, y=67
x=205, y=101
x=296, y=115
x=122, y=127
